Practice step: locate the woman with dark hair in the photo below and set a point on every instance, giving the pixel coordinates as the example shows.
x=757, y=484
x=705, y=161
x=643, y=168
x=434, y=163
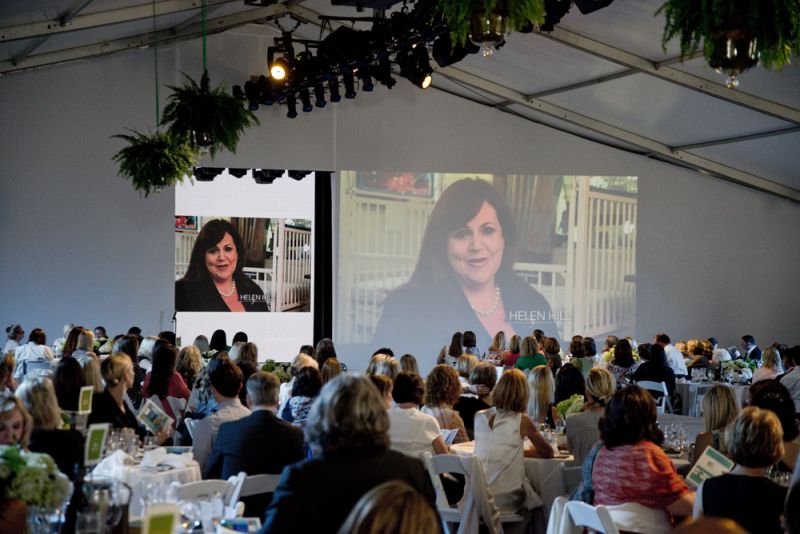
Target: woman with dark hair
x=71, y=341
x=579, y=359
x=772, y=395
x=219, y=341
x=348, y=431
x=513, y=353
x=68, y=379
x=324, y=350
x=452, y=352
x=214, y=280
x=484, y=374
x=470, y=343
x=623, y=365
x=305, y=389
x=464, y=278
x=569, y=382
x=163, y=380
x=413, y=432
x=654, y=367
x=245, y=356
x=552, y=350
x=631, y=467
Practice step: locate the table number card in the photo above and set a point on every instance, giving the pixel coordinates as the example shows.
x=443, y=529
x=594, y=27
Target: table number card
x=160, y=519
x=85, y=400
x=711, y=463
x=95, y=443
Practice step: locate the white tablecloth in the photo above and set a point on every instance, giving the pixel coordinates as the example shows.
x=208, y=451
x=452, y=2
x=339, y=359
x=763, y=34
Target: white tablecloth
x=138, y=478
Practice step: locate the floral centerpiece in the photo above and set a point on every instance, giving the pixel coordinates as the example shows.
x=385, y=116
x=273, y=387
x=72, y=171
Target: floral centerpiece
x=32, y=478
x=738, y=370
x=103, y=345
x=281, y=369
x=571, y=406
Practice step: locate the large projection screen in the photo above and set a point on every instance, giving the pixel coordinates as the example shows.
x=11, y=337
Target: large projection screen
x=275, y=226
x=571, y=269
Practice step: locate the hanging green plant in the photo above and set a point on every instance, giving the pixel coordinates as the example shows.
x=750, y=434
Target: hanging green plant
x=155, y=161
x=516, y=15
x=205, y=117
x=736, y=34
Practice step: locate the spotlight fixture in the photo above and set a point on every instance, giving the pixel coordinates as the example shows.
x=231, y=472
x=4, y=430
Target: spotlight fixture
x=264, y=87
x=383, y=73
x=251, y=93
x=298, y=175
x=305, y=99
x=366, y=80
x=207, y=174
x=349, y=84
x=416, y=66
x=291, y=103
x=266, y=176
x=237, y=172
x=319, y=95
x=280, y=68
x=333, y=89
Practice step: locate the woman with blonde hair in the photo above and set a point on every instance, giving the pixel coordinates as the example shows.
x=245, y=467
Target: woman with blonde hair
x=392, y=507
x=15, y=421
x=497, y=348
x=499, y=435
x=91, y=373
x=65, y=446
x=84, y=346
x=442, y=391
x=719, y=411
x=388, y=367
x=542, y=392
x=582, y=430
x=464, y=366
x=409, y=363
x=771, y=365
x=330, y=370
x=530, y=355
x=189, y=364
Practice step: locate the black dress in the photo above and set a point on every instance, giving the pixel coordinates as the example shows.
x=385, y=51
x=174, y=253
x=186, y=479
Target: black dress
x=106, y=410
x=64, y=446
x=202, y=295
x=652, y=371
x=467, y=406
x=756, y=503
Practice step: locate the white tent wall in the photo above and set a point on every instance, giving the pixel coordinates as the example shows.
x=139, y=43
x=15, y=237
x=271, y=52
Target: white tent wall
x=80, y=245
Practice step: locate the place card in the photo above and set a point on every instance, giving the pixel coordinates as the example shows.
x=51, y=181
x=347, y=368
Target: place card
x=95, y=443
x=160, y=519
x=85, y=400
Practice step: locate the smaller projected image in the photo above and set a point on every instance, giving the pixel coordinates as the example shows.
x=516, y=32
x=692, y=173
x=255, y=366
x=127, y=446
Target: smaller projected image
x=412, y=184
x=242, y=264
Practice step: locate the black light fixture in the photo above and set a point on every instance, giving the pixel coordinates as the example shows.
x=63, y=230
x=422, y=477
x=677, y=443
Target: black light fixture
x=366, y=80
x=237, y=172
x=333, y=89
x=266, y=176
x=280, y=68
x=207, y=174
x=416, y=66
x=319, y=95
x=554, y=12
x=298, y=175
x=291, y=103
x=383, y=73
x=251, y=94
x=305, y=99
x=349, y=84
x=446, y=54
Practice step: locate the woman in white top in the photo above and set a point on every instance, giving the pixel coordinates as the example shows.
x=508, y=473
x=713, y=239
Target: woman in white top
x=15, y=334
x=771, y=365
x=411, y=431
x=499, y=445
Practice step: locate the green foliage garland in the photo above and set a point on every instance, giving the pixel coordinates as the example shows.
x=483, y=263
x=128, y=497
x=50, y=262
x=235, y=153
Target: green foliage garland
x=198, y=108
x=775, y=24
x=457, y=14
x=156, y=160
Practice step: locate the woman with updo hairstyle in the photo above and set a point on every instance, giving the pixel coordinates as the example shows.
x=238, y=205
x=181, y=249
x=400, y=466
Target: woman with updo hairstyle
x=484, y=374
x=411, y=431
x=772, y=395
x=719, y=411
x=189, y=364
x=64, y=446
x=497, y=348
x=16, y=423
x=623, y=366
x=745, y=494
x=499, y=446
x=214, y=280
x=632, y=444
x=109, y=406
x=581, y=429
x=163, y=381
x=442, y=391
x=14, y=333
x=348, y=431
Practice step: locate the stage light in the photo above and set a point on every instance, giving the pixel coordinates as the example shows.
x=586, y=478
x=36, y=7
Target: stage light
x=416, y=66
x=266, y=176
x=251, y=93
x=333, y=89
x=298, y=175
x=207, y=174
x=305, y=99
x=349, y=84
x=279, y=69
x=264, y=87
x=291, y=103
x=238, y=173
x=319, y=95
x=383, y=73
x=366, y=80
x=446, y=54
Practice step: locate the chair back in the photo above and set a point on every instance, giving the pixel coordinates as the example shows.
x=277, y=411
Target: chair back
x=259, y=484
x=659, y=392
x=571, y=478
x=177, y=406
x=37, y=368
x=207, y=489
x=579, y=515
x=190, y=426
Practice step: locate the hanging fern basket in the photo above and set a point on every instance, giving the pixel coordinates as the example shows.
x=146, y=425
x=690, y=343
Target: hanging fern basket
x=732, y=51
x=209, y=119
x=486, y=22
x=487, y=29
x=155, y=161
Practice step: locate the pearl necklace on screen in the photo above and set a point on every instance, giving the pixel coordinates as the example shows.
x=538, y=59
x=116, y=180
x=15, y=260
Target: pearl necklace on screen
x=229, y=293
x=491, y=309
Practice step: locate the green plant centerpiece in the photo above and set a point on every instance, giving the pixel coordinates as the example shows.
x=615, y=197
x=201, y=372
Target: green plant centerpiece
x=207, y=118
x=155, y=161
x=736, y=34
x=485, y=22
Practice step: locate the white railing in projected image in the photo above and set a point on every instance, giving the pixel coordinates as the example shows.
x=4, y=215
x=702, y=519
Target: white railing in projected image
x=184, y=241
x=293, y=286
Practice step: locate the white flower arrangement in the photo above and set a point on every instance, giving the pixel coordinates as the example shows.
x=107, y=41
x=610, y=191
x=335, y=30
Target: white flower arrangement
x=33, y=478
x=570, y=406
x=737, y=370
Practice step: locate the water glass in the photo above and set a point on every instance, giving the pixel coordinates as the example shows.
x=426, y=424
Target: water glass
x=211, y=512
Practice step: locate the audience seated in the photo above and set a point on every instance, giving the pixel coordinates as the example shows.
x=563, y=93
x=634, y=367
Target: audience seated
x=530, y=355
x=581, y=429
x=300, y=361
x=496, y=350
x=719, y=411
x=348, y=430
x=675, y=359
x=579, y=359
x=189, y=365
x=631, y=467
x=245, y=356
x=464, y=365
x=771, y=365
x=409, y=363
x=258, y=443
x=35, y=350
x=513, y=353
x=484, y=374
x=772, y=395
x=305, y=389
x=542, y=392
x=744, y=494
x=392, y=507
x=65, y=446
x=552, y=352
x=163, y=381
x=7, y=364
x=84, y=347
x=330, y=370
x=499, y=434
x=129, y=344
x=623, y=366
x=442, y=391
x=384, y=385
x=411, y=431
x=569, y=382
x=14, y=334
x=201, y=401
x=91, y=371
x=654, y=367
x=324, y=350
x=226, y=381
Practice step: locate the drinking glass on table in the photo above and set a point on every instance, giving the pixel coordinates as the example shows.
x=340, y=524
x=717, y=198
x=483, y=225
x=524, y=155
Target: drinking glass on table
x=211, y=512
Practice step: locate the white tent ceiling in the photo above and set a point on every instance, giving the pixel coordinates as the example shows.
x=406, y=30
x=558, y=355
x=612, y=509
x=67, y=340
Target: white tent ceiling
x=602, y=76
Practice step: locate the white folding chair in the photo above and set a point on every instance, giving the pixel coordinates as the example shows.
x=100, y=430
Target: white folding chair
x=579, y=515
x=571, y=478
x=37, y=368
x=177, y=406
x=259, y=484
x=697, y=411
x=556, y=514
x=190, y=425
x=206, y=489
x=659, y=392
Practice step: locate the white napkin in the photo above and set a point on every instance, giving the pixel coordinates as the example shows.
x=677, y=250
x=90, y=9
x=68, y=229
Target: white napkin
x=112, y=465
x=160, y=456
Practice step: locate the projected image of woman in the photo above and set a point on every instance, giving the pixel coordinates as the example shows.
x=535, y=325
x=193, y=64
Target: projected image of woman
x=214, y=280
x=464, y=279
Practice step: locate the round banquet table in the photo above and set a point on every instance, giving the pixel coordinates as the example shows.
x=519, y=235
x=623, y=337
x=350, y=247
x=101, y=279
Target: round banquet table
x=139, y=478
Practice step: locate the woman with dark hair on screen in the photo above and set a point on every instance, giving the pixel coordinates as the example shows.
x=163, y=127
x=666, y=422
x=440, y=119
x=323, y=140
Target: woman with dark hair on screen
x=214, y=280
x=464, y=279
